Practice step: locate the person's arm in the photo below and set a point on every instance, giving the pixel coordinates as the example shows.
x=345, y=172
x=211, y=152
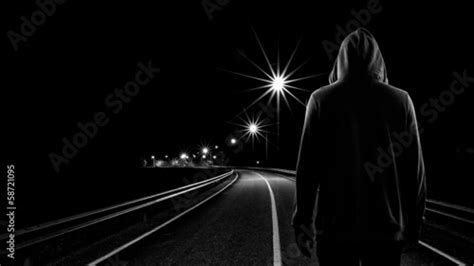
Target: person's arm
x=414, y=177
x=306, y=179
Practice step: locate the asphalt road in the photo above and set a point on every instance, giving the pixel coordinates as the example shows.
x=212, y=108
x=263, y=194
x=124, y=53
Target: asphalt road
x=248, y=224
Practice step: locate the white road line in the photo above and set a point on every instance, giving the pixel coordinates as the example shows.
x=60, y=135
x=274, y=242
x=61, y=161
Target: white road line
x=276, y=234
x=441, y=253
x=126, y=245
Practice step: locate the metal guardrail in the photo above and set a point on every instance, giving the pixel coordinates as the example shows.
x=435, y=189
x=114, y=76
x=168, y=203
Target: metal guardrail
x=453, y=211
x=121, y=248
x=90, y=218
x=276, y=170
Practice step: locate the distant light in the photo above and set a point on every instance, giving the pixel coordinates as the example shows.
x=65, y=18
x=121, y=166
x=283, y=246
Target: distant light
x=214, y=157
x=166, y=156
x=153, y=157
x=233, y=141
x=194, y=155
x=204, y=157
x=253, y=128
x=258, y=162
x=216, y=147
x=184, y=156
x=205, y=150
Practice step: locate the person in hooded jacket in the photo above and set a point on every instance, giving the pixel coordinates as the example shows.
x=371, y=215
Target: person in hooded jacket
x=360, y=166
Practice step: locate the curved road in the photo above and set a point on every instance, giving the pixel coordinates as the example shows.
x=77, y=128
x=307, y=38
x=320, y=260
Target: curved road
x=248, y=224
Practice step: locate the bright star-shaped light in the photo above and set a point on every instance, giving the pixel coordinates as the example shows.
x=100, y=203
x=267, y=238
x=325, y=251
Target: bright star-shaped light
x=278, y=84
x=253, y=129
x=278, y=81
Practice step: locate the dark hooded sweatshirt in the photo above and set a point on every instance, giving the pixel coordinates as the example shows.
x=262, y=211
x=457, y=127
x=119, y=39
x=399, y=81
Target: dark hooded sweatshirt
x=360, y=147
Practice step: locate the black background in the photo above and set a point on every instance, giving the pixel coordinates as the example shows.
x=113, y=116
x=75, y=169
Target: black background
x=62, y=74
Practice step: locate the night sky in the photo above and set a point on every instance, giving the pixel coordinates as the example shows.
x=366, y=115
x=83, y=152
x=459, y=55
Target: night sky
x=63, y=73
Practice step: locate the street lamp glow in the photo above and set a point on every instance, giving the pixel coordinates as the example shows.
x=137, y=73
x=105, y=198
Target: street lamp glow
x=216, y=147
x=278, y=80
x=184, y=156
x=153, y=157
x=205, y=150
x=214, y=157
x=253, y=129
x=278, y=84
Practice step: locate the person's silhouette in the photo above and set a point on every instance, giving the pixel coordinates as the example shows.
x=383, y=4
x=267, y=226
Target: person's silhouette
x=360, y=147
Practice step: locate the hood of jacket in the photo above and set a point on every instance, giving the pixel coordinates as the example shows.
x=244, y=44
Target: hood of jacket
x=359, y=58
